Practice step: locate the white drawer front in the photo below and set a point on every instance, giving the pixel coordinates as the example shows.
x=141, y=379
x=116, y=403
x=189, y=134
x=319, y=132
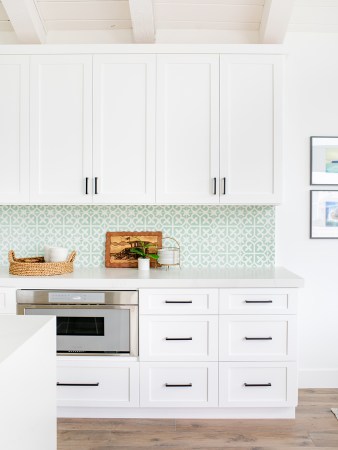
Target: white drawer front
x=257, y=338
x=7, y=301
x=182, y=384
x=178, y=301
x=257, y=301
x=242, y=384
x=178, y=338
x=107, y=384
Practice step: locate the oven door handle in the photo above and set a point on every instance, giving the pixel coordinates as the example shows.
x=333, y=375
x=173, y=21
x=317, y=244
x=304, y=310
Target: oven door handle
x=78, y=384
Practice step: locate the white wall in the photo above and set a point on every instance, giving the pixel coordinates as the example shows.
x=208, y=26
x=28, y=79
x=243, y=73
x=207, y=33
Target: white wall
x=311, y=110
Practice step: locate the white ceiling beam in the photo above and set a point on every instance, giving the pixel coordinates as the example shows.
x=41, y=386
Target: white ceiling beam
x=275, y=20
x=142, y=18
x=26, y=21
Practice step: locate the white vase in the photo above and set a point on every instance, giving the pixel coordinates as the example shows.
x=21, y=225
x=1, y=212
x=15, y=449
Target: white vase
x=143, y=263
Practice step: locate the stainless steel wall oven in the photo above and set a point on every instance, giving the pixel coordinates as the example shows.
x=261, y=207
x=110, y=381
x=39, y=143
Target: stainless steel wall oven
x=87, y=322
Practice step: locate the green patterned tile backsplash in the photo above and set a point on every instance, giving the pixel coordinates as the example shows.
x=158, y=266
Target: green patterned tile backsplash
x=210, y=236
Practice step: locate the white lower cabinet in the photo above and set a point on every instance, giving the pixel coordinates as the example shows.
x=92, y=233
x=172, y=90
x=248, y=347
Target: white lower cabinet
x=7, y=301
x=91, y=382
x=258, y=301
x=178, y=301
x=179, y=384
x=257, y=338
x=179, y=338
x=257, y=384
x=240, y=362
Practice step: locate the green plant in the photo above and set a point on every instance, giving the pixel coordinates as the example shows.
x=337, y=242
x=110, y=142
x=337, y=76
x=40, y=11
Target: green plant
x=141, y=251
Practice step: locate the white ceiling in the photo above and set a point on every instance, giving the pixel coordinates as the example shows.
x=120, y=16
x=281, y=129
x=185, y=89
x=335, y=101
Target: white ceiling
x=5, y=24
x=197, y=15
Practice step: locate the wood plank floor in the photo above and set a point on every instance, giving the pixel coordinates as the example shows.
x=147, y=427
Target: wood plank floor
x=315, y=427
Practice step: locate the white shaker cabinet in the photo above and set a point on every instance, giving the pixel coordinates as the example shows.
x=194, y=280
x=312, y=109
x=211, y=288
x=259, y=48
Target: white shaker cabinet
x=7, y=300
x=187, y=141
x=124, y=128
x=14, y=129
x=60, y=128
x=250, y=128
x=201, y=98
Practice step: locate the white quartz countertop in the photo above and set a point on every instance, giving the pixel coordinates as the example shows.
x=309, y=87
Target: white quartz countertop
x=101, y=278
x=15, y=331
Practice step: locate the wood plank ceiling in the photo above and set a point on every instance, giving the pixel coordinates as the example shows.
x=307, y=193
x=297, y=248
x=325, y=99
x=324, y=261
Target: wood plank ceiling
x=5, y=24
x=198, y=15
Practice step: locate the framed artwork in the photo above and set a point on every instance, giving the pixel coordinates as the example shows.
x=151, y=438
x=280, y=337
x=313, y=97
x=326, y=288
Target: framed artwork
x=324, y=214
x=324, y=160
x=119, y=243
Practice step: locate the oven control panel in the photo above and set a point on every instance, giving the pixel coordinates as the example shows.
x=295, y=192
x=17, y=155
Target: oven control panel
x=76, y=297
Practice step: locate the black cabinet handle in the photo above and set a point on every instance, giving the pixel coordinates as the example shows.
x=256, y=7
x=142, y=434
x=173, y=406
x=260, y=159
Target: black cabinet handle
x=258, y=338
x=86, y=185
x=258, y=301
x=78, y=384
x=178, y=301
x=257, y=385
x=178, y=385
x=215, y=187
x=224, y=186
x=95, y=185
x=178, y=339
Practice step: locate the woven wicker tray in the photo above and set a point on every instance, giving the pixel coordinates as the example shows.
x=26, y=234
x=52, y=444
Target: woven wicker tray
x=37, y=266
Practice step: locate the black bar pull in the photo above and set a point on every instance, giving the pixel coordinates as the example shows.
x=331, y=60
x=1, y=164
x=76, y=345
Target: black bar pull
x=78, y=384
x=224, y=186
x=257, y=385
x=95, y=185
x=178, y=301
x=258, y=338
x=178, y=385
x=258, y=301
x=215, y=187
x=178, y=339
x=86, y=185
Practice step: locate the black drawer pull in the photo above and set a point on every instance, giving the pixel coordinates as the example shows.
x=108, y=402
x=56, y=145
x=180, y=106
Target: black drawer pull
x=258, y=301
x=178, y=385
x=257, y=385
x=178, y=339
x=78, y=384
x=178, y=301
x=258, y=338
x=95, y=186
x=86, y=185
x=224, y=186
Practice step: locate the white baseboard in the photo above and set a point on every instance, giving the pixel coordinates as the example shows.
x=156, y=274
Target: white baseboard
x=318, y=378
x=179, y=413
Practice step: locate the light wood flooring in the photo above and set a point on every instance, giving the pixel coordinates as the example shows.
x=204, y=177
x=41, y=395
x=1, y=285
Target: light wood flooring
x=315, y=427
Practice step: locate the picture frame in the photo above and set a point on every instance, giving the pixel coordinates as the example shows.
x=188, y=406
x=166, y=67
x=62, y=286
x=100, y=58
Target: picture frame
x=118, y=244
x=324, y=214
x=324, y=160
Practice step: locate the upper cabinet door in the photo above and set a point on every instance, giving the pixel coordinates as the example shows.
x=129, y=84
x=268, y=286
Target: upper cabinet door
x=187, y=143
x=14, y=129
x=251, y=128
x=61, y=129
x=124, y=129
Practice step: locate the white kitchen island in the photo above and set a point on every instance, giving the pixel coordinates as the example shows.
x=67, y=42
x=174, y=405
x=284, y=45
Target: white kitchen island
x=27, y=383
x=232, y=351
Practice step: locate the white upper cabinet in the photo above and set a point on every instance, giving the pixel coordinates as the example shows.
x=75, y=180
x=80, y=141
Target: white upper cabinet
x=61, y=129
x=141, y=128
x=250, y=128
x=187, y=142
x=14, y=129
x=124, y=128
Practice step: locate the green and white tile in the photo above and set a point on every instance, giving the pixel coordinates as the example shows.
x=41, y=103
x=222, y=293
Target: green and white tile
x=210, y=236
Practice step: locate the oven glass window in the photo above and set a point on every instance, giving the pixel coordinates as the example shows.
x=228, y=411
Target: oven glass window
x=80, y=326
